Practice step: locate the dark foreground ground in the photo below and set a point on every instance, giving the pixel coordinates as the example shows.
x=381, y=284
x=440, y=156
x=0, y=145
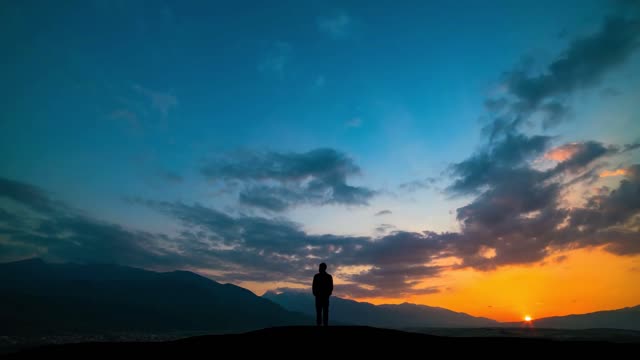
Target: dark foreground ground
x=332, y=342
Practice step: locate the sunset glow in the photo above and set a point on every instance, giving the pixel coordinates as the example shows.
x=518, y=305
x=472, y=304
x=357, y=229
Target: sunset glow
x=478, y=156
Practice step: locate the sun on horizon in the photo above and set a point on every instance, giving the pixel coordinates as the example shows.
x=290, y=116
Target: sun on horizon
x=528, y=318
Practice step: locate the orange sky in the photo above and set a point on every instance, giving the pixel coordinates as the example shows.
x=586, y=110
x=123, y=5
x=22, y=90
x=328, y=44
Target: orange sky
x=585, y=281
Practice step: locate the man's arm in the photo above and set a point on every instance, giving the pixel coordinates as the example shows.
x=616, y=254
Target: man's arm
x=330, y=284
x=314, y=287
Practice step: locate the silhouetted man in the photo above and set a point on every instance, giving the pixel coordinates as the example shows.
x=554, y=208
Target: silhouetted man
x=322, y=289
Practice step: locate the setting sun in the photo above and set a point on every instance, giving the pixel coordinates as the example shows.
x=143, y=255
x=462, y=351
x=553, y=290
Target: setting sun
x=527, y=318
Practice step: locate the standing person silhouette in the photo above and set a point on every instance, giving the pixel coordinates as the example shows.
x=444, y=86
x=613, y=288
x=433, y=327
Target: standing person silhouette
x=322, y=289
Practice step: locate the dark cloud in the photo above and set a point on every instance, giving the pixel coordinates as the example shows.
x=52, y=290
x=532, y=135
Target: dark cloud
x=581, y=66
x=610, y=209
x=631, y=147
x=555, y=112
x=384, y=228
x=492, y=164
x=519, y=214
x=415, y=185
x=53, y=231
x=580, y=155
x=383, y=212
x=277, y=181
x=26, y=194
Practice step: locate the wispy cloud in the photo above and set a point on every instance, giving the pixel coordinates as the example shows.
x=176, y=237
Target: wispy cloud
x=415, y=185
x=337, y=26
x=383, y=212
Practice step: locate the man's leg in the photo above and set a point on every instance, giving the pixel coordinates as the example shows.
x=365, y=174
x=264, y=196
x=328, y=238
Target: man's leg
x=325, y=312
x=318, y=311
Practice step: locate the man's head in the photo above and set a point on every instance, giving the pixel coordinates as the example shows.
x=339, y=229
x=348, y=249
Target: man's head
x=323, y=267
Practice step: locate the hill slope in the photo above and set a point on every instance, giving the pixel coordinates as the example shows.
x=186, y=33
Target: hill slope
x=351, y=341
x=393, y=316
x=37, y=297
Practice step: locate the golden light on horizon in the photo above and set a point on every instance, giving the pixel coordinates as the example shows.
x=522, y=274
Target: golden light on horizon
x=494, y=294
x=527, y=318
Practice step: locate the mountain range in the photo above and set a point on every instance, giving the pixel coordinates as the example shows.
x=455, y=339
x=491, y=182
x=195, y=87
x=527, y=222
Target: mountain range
x=392, y=316
x=38, y=297
x=43, y=298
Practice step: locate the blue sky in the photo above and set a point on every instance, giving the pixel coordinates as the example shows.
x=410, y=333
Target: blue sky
x=110, y=104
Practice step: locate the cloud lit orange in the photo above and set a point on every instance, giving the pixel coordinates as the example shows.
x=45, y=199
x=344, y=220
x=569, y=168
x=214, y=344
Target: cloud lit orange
x=562, y=153
x=617, y=172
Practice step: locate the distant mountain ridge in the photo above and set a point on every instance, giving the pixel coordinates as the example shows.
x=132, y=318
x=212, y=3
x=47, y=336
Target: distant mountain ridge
x=38, y=297
x=407, y=315
x=626, y=318
x=392, y=316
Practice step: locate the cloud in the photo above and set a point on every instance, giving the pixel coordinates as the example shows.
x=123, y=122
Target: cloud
x=415, y=185
x=383, y=212
x=617, y=172
x=583, y=65
x=277, y=181
x=160, y=101
x=583, y=154
x=495, y=162
x=562, y=153
x=337, y=26
x=384, y=228
x=276, y=59
x=631, y=147
x=54, y=231
x=518, y=212
x=28, y=195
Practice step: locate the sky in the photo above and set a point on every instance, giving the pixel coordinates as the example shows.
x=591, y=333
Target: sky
x=478, y=156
